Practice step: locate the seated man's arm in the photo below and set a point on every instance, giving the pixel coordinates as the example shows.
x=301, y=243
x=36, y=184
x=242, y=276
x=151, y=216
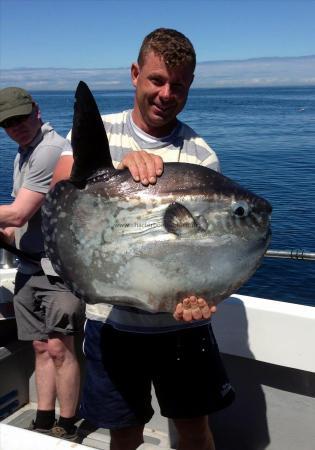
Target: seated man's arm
x=25, y=205
x=62, y=170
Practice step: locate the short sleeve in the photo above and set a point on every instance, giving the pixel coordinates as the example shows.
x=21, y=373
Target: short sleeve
x=41, y=166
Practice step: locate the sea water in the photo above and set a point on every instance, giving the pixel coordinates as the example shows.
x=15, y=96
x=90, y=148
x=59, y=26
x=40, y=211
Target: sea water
x=265, y=140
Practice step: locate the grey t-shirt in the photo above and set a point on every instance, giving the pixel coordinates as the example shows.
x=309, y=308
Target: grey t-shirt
x=33, y=170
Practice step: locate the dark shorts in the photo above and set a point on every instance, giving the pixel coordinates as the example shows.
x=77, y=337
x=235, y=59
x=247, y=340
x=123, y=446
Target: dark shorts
x=184, y=366
x=44, y=306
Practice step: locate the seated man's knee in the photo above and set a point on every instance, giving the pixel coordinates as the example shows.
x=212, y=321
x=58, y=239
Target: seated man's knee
x=58, y=350
x=40, y=347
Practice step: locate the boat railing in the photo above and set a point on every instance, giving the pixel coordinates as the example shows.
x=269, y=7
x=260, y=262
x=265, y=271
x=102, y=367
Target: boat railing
x=297, y=254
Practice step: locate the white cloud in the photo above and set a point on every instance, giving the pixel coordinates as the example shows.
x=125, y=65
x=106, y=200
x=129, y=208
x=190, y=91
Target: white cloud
x=257, y=72
x=251, y=72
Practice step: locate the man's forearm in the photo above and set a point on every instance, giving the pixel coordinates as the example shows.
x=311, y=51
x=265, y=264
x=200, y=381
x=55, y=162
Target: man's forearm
x=24, y=206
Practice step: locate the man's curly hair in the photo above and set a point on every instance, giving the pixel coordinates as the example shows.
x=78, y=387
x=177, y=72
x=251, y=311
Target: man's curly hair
x=174, y=47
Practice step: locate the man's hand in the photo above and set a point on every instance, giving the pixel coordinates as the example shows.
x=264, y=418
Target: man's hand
x=144, y=167
x=193, y=308
x=7, y=235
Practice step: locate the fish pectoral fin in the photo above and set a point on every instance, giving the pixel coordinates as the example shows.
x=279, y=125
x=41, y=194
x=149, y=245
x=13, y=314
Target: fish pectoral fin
x=178, y=220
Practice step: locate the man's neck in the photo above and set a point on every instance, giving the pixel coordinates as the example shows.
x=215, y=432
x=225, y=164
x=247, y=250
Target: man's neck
x=155, y=132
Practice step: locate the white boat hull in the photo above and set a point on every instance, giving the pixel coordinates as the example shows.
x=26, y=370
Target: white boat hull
x=267, y=347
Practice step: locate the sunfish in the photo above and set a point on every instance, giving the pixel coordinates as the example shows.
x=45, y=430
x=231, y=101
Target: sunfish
x=115, y=241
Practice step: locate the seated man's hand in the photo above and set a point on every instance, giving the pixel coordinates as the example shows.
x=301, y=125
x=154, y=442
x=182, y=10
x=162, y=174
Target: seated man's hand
x=7, y=235
x=144, y=167
x=193, y=308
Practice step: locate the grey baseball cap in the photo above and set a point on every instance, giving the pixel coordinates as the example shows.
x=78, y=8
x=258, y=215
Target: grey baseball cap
x=14, y=101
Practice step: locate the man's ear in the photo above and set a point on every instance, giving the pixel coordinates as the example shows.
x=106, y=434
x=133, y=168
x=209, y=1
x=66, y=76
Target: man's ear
x=134, y=73
x=37, y=112
x=192, y=79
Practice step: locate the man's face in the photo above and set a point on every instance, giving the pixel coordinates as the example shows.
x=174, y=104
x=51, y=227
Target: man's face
x=23, y=129
x=161, y=94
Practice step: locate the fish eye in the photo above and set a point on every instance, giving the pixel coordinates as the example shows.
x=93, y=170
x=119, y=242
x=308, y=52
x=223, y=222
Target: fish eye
x=240, y=209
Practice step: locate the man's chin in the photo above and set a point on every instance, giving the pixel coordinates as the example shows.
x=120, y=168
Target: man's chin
x=160, y=120
x=23, y=143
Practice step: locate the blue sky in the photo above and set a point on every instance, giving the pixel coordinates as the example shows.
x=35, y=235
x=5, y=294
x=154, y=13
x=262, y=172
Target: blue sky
x=105, y=34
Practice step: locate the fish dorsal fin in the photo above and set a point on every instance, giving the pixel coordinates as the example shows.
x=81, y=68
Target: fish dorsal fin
x=88, y=138
x=178, y=220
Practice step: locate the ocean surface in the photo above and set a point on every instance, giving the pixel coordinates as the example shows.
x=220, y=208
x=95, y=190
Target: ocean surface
x=265, y=139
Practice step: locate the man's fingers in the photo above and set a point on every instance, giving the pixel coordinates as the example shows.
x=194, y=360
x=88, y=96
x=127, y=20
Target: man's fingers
x=178, y=314
x=206, y=309
x=152, y=169
x=147, y=169
x=159, y=165
x=143, y=166
x=187, y=315
x=195, y=309
x=129, y=162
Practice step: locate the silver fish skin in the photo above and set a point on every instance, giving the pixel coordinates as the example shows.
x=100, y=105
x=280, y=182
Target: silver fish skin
x=194, y=232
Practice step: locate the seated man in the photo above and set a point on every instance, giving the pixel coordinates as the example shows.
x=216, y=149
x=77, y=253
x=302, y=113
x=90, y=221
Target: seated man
x=46, y=312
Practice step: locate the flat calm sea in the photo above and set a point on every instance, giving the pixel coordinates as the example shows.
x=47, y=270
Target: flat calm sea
x=265, y=139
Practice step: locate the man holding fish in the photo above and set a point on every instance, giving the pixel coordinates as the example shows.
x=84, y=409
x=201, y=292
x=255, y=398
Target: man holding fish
x=126, y=348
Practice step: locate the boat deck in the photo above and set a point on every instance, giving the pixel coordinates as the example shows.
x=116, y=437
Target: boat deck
x=267, y=348
x=92, y=438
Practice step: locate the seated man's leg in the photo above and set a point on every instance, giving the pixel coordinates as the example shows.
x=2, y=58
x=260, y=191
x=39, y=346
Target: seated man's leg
x=67, y=373
x=64, y=316
x=44, y=378
x=31, y=327
x=50, y=315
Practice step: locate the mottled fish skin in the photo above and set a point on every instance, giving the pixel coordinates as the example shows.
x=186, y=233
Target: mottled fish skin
x=110, y=243
x=116, y=241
